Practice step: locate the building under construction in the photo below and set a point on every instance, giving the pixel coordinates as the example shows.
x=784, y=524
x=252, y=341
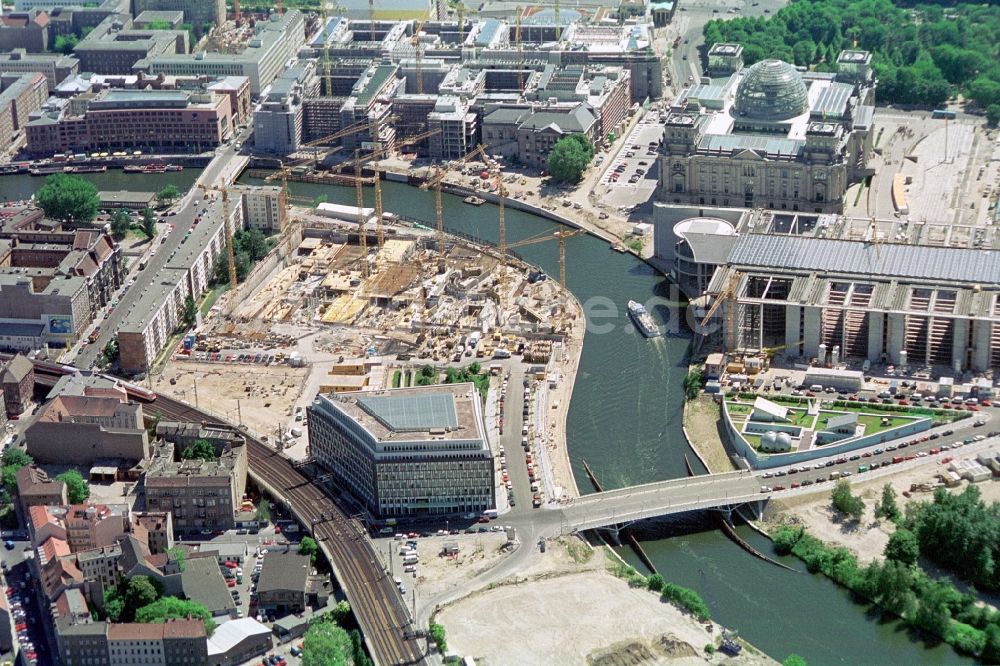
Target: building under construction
x=815, y=292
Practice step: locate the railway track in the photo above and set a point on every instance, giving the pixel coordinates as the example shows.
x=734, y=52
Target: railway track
x=378, y=606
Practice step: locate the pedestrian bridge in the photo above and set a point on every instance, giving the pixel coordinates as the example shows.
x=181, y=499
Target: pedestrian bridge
x=662, y=498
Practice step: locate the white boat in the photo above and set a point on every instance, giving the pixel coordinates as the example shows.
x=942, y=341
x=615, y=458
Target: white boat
x=643, y=321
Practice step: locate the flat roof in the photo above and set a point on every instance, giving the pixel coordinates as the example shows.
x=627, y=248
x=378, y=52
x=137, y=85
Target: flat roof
x=412, y=413
x=889, y=260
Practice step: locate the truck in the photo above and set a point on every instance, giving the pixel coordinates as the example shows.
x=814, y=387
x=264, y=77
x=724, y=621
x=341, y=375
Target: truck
x=410, y=559
x=491, y=513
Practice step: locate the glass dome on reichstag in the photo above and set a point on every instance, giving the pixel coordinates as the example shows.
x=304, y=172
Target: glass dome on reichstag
x=771, y=90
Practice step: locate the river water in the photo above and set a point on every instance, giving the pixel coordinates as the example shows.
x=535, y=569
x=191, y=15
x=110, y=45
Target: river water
x=625, y=421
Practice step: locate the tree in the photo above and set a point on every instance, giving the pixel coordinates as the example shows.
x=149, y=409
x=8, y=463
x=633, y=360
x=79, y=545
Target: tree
x=222, y=266
x=932, y=613
x=903, y=547
x=189, y=315
x=887, y=506
x=172, y=608
x=252, y=242
x=179, y=555
x=121, y=222
x=263, y=514
x=991, y=652
x=139, y=592
x=569, y=158
x=201, y=449
x=308, y=546
x=993, y=115
x=168, y=194
x=438, y=636
x=892, y=586
x=326, y=644
x=847, y=502
x=66, y=43
x=794, y=660
x=148, y=223
x=13, y=460
x=68, y=199
x=693, y=382
x=77, y=488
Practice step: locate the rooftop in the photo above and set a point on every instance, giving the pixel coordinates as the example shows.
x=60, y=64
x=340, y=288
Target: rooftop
x=283, y=571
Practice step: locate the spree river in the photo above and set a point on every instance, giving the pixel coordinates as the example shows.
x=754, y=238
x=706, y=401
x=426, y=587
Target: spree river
x=625, y=421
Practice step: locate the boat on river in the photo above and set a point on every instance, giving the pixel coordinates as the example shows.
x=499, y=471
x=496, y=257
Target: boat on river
x=643, y=321
x=47, y=170
x=473, y=200
x=146, y=168
x=89, y=168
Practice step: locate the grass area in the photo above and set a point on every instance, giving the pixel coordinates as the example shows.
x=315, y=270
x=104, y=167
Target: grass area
x=395, y=378
x=739, y=408
x=801, y=417
x=873, y=422
x=580, y=552
x=753, y=438
x=211, y=297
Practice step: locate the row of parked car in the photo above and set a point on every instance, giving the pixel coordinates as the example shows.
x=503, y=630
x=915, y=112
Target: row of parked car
x=21, y=620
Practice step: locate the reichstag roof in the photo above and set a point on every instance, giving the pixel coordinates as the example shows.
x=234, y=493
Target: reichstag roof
x=771, y=90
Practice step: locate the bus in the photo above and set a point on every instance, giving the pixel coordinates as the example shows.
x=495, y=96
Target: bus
x=943, y=114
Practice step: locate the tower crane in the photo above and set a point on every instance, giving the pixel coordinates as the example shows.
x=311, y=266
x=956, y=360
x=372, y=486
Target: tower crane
x=360, y=198
x=728, y=293
x=371, y=18
x=227, y=230
x=520, y=51
x=439, y=175
x=561, y=235
x=415, y=40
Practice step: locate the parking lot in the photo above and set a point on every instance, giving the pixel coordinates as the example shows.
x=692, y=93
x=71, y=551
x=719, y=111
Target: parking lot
x=631, y=177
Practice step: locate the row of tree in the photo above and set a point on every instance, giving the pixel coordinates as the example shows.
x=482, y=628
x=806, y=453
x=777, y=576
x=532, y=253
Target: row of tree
x=921, y=56
x=140, y=599
x=77, y=488
x=899, y=587
x=249, y=247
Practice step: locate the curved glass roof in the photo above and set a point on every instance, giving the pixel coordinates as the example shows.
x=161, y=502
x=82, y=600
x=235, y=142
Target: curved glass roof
x=771, y=90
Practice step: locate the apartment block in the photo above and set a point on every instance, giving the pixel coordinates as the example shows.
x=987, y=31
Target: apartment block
x=201, y=494
x=28, y=30
x=265, y=208
x=35, y=488
x=144, y=333
x=90, y=526
x=157, y=528
x=80, y=430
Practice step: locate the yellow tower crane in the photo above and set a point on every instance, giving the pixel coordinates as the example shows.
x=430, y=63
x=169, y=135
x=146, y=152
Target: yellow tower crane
x=561, y=235
x=371, y=18
x=439, y=175
x=227, y=230
x=360, y=198
x=415, y=40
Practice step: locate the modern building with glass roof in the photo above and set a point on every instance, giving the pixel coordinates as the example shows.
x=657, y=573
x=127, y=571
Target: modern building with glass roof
x=769, y=135
x=406, y=452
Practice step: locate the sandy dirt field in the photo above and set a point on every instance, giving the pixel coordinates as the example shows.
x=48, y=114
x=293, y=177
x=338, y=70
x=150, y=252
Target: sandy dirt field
x=701, y=418
x=554, y=603
x=265, y=393
x=438, y=573
x=867, y=538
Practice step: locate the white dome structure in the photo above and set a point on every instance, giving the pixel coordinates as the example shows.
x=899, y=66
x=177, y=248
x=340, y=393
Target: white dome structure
x=784, y=441
x=768, y=440
x=771, y=90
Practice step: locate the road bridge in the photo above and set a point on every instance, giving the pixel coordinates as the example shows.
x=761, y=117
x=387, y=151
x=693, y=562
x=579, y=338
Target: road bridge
x=662, y=498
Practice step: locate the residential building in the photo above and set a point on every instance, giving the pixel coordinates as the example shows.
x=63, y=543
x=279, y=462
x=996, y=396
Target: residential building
x=28, y=30
x=201, y=494
x=282, y=585
x=55, y=67
x=172, y=643
x=82, y=643
x=144, y=333
x=156, y=120
x=35, y=488
x=262, y=61
x=158, y=529
x=237, y=88
x=100, y=564
x=62, y=305
x=17, y=379
x=46, y=522
x=81, y=430
x=265, y=208
x=771, y=136
x=406, y=452
x=90, y=526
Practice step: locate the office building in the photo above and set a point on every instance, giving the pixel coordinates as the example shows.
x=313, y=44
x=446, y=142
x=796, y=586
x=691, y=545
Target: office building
x=55, y=67
x=457, y=127
x=202, y=15
x=262, y=61
x=826, y=287
x=154, y=120
x=114, y=46
x=28, y=30
x=771, y=136
x=406, y=452
x=278, y=119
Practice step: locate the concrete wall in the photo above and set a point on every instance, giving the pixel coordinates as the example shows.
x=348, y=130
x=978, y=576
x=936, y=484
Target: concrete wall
x=83, y=443
x=759, y=460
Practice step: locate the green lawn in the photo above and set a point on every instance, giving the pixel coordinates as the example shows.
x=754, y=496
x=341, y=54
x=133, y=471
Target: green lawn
x=739, y=408
x=753, y=438
x=873, y=422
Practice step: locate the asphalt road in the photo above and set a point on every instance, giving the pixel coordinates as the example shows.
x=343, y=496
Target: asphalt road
x=221, y=167
x=18, y=577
